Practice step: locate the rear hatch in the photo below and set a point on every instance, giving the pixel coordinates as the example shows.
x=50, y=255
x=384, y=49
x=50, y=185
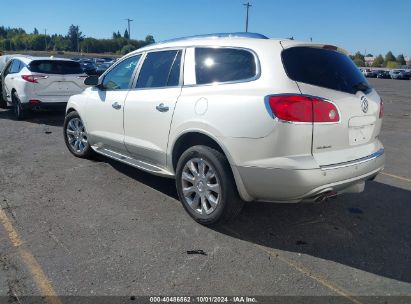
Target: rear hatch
x=328, y=73
x=57, y=77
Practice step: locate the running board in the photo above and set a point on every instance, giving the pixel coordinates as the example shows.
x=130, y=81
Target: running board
x=133, y=162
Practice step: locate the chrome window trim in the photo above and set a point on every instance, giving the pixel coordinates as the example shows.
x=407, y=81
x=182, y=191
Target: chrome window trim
x=256, y=60
x=354, y=162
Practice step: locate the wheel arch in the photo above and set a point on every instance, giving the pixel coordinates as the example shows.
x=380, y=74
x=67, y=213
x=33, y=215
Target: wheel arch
x=192, y=138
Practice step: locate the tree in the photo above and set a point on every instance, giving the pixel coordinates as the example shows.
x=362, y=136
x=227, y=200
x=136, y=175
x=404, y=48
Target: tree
x=36, y=31
x=392, y=64
x=75, y=37
x=369, y=55
x=149, y=39
x=127, y=49
x=126, y=34
x=378, y=61
x=400, y=59
x=389, y=57
x=358, y=59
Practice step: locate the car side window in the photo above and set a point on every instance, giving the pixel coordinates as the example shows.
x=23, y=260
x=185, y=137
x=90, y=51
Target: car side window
x=119, y=77
x=216, y=65
x=160, y=69
x=15, y=67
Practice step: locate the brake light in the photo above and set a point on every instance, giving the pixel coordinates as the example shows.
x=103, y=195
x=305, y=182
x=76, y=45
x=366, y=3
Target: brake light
x=34, y=101
x=381, y=108
x=301, y=108
x=33, y=78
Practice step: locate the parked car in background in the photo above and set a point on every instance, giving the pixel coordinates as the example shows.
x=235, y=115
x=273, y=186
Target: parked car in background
x=101, y=68
x=88, y=66
x=40, y=83
x=4, y=59
x=369, y=73
x=249, y=119
x=383, y=75
x=399, y=74
x=108, y=60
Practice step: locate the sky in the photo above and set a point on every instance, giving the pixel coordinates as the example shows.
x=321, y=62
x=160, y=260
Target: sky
x=371, y=26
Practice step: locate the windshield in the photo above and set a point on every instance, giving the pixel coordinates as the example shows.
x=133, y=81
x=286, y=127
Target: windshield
x=325, y=68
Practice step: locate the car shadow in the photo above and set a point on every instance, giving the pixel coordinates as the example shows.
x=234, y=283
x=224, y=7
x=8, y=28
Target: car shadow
x=370, y=231
x=50, y=118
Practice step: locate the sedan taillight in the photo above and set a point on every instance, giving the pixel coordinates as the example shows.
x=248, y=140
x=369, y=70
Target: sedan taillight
x=33, y=78
x=301, y=108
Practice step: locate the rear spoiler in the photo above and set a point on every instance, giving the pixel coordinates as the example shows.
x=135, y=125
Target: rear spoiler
x=286, y=44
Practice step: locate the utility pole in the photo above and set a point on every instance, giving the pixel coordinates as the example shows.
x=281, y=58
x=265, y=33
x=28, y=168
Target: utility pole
x=45, y=38
x=248, y=5
x=128, y=22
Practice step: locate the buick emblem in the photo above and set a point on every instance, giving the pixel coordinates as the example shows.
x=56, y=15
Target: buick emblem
x=364, y=104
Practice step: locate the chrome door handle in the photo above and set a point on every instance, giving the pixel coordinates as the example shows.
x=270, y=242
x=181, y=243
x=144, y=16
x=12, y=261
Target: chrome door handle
x=116, y=106
x=162, y=108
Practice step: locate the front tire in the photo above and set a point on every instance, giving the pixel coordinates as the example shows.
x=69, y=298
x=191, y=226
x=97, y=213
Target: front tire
x=206, y=186
x=75, y=136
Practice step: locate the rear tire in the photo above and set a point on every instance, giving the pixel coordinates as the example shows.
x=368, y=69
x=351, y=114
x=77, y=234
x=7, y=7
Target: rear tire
x=75, y=136
x=19, y=112
x=206, y=186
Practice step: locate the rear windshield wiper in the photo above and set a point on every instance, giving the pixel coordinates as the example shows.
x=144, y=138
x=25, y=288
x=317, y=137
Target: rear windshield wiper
x=362, y=86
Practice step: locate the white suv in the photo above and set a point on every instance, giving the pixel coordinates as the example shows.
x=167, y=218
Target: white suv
x=234, y=118
x=40, y=83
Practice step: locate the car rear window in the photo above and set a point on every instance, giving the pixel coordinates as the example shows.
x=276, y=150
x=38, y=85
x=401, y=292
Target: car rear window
x=55, y=67
x=324, y=68
x=224, y=65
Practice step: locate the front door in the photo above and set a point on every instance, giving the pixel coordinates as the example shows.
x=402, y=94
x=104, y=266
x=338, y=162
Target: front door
x=105, y=106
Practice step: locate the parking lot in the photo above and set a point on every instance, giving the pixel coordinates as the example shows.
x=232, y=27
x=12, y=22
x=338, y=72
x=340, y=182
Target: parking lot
x=78, y=227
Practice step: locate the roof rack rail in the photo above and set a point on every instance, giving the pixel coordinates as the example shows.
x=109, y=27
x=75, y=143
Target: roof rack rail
x=220, y=35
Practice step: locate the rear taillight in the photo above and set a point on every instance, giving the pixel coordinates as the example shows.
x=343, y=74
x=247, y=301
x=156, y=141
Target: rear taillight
x=301, y=108
x=34, y=101
x=33, y=78
x=381, y=108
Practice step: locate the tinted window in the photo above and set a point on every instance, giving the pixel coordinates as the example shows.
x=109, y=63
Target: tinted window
x=119, y=77
x=324, y=68
x=61, y=67
x=160, y=69
x=223, y=65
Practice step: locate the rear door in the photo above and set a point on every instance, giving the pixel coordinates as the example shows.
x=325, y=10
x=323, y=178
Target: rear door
x=60, y=77
x=328, y=73
x=149, y=106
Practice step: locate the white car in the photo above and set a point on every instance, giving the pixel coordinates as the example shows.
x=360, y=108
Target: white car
x=40, y=83
x=234, y=118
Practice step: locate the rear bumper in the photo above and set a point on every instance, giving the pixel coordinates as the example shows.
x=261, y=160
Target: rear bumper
x=293, y=185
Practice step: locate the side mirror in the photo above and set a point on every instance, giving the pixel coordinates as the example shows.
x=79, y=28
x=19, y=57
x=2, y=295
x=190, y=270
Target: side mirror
x=91, y=80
